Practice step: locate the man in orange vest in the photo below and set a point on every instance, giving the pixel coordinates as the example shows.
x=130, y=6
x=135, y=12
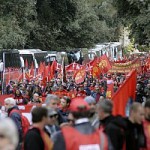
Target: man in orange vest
x=146, y=124
x=82, y=136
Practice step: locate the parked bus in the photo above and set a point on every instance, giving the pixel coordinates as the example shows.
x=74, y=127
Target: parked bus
x=10, y=66
x=34, y=56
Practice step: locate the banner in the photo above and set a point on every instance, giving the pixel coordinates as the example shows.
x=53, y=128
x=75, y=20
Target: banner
x=79, y=76
x=126, y=67
x=100, y=65
x=110, y=91
x=124, y=93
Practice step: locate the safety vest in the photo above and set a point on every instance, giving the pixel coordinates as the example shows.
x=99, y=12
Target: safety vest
x=146, y=125
x=75, y=140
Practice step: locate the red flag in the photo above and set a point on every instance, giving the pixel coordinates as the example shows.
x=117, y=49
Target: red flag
x=8, y=76
x=126, y=91
x=32, y=70
x=20, y=77
x=53, y=68
x=48, y=71
x=104, y=64
x=110, y=90
x=44, y=80
x=80, y=75
x=96, y=71
x=27, y=76
x=93, y=62
x=26, y=64
x=148, y=64
x=41, y=68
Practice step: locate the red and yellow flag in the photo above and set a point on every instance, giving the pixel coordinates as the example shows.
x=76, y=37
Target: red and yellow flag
x=80, y=75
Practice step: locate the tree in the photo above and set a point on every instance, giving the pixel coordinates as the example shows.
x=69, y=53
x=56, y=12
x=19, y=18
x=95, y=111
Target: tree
x=135, y=15
x=17, y=20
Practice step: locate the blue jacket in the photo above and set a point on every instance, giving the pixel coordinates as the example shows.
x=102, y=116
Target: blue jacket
x=16, y=117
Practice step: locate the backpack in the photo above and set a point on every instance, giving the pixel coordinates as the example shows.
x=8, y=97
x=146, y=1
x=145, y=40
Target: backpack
x=24, y=121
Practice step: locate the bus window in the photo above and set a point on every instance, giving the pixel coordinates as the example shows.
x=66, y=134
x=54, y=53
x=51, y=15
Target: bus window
x=40, y=57
x=29, y=58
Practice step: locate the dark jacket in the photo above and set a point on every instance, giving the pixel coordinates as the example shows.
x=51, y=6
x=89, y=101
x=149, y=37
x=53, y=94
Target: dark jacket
x=61, y=118
x=51, y=129
x=135, y=138
x=85, y=128
x=114, y=127
x=16, y=117
x=33, y=140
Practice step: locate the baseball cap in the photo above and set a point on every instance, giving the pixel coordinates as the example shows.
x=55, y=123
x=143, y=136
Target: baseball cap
x=79, y=105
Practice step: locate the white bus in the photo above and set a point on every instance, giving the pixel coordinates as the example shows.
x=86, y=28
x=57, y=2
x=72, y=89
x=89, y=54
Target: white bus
x=34, y=56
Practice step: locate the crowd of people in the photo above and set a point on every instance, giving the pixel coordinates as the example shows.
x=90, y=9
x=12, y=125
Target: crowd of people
x=84, y=125
x=34, y=92
x=70, y=116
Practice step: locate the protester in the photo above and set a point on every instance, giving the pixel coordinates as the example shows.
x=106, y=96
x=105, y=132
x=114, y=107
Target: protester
x=8, y=135
x=114, y=127
x=52, y=125
x=135, y=138
x=92, y=104
x=36, y=98
x=18, y=97
x=82, y=135
x=146, y=124
x=10, y=107
x=36, y=138
x=96, y=93
x=52, y=101
x=64, y=105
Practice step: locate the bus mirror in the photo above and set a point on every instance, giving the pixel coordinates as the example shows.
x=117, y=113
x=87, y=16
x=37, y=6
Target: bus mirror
x=1, y=66
x=22, y=62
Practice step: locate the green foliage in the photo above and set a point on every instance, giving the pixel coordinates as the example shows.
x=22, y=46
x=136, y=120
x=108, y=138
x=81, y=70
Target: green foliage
x=66, y=24
x=17, y=20
x=135, y=14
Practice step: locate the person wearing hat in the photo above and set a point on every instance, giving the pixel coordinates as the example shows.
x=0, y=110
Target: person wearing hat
x=82, y=136
x=52, y=126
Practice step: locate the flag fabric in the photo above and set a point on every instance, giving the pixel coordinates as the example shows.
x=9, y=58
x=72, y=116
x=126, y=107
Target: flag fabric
x=104, y=64
x=26, y=64
x=79, y=76
x=48, y=70
x=124, y=93
x=100, y=65
x=52, y=69
x=20, y=77
x=148, y=64
x=32, y=70
x=27, y=76
x=44, y=80
x=41, y=68
x=110, y=90
x=8, y=77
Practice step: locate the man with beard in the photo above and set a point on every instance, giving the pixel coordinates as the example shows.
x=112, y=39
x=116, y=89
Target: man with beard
x=146, y=124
